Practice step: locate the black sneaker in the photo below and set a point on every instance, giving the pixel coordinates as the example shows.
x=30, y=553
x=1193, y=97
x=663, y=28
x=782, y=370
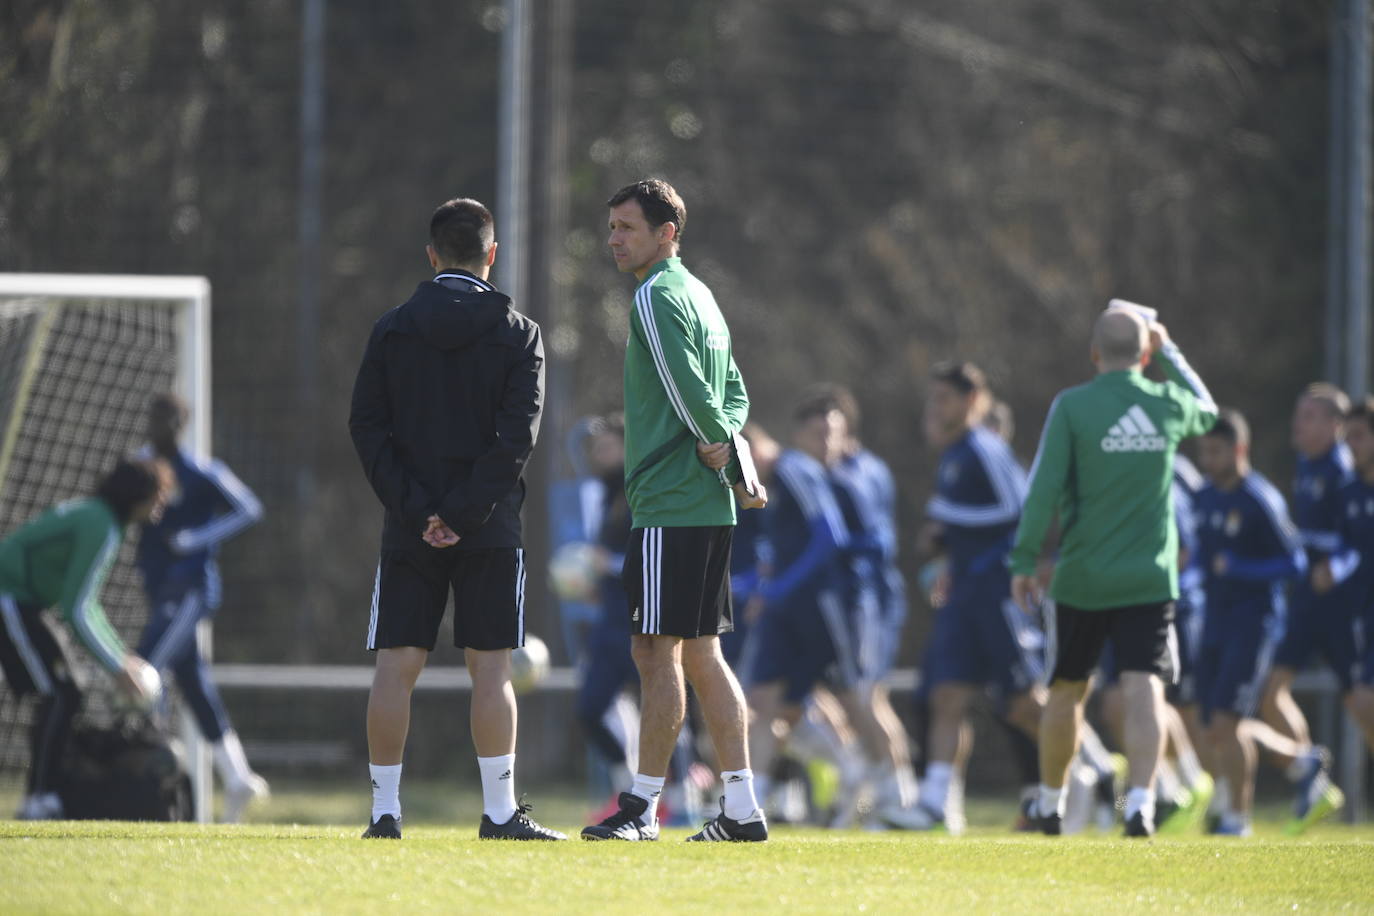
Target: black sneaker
x=1138, y=826
x=721, y=829
x=626, y=824
x=385, y=827
x=520, y=827
x=1048, y=824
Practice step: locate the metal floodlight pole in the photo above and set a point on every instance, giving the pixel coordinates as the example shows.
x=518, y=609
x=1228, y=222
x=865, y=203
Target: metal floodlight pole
x=1357, y=199
x=512, y=194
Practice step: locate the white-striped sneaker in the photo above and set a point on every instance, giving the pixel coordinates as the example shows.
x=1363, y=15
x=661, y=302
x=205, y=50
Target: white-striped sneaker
x=721, y=829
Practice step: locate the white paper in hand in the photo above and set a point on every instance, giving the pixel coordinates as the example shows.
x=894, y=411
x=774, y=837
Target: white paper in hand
x=749, y=475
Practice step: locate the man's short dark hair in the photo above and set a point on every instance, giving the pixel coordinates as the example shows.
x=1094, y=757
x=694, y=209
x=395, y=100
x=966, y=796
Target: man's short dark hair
x=1363, y=411
x=462, y=232
x=964, y=377
x=1231, y=426
x=659, y=201
x=828, y=396
x=132, y=482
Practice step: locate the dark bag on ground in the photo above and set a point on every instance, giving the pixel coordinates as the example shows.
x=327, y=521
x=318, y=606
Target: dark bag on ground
x=126, y=771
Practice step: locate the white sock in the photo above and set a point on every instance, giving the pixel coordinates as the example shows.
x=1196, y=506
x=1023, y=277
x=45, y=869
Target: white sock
x=230, y=762
x=1094, y=753
x=498, y=787
x=1142, y=800
x=935, y=788
x=649, y=788
x=739, y=794
x=386, y=790
x=1051, y=801
x=1221, y=798
x=1189, y=767
x=1298, y=768
x=1166, y=781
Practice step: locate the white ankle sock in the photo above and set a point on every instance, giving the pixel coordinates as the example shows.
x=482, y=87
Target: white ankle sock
x=230, y=762
x=386, y=790
x=649, y=788
x=1051, y=801
x=498, y=787
x=1142, y=800
x=739, y=794
x=935, y=788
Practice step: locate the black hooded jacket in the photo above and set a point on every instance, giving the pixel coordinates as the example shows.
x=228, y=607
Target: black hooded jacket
x=446, y=411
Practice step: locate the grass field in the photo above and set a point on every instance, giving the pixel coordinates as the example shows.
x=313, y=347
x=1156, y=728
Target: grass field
x=104, y=867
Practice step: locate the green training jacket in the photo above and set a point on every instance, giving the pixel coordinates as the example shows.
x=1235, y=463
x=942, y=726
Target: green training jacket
x=681, y=388
x=1105, y=463
x=62, y=558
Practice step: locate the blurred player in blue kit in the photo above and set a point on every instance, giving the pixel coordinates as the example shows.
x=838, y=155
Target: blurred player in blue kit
x=979, y=638
x=1249, y=550
x=1351, y=565
x=176, y=555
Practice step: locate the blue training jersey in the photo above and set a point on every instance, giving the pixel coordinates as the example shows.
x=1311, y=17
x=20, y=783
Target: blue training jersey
x=806, y=531
x=1250, y=527
x=870, y=497
x=1353, y=560
x=1316, y=509
x=210, y=506
x=979, y=490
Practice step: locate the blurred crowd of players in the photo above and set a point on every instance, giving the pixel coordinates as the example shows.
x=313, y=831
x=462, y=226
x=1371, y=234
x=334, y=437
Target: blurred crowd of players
x=1268, y=585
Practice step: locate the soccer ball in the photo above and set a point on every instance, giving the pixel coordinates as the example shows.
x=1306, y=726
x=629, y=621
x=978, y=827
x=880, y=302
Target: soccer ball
x=529, y=664
x=573, y=571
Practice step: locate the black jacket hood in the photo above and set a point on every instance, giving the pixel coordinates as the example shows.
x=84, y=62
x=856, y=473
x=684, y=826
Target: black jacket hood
x=451, y=319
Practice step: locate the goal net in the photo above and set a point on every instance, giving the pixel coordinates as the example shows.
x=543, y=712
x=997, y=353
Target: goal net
x=81, y=356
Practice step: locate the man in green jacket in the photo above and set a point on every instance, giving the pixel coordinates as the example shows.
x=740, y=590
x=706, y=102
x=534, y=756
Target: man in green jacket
x=61, y=558
x=684, y=404
x=1105, y=465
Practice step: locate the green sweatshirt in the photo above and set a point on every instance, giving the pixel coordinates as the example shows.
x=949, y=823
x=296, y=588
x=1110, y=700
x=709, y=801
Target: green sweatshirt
x=62, y=558
x=1105, y=463
x=681, y=388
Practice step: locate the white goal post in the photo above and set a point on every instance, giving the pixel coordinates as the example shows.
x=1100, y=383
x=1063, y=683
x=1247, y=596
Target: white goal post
x=81, y=356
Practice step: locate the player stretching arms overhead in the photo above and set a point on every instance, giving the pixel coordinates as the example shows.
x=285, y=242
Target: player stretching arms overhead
x=1106, y=464
x=176, y=555
x=683, y=393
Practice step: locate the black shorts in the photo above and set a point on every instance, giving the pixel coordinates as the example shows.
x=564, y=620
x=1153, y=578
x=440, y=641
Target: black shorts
x=677, y=581
x=1142, y=636
x=35, y=654
x=412, y=587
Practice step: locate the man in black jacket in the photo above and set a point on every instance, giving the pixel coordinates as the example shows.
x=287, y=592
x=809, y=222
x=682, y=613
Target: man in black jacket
x=445, y=413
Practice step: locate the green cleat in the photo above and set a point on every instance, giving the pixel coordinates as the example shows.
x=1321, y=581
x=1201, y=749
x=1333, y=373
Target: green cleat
x=1189, y=815
x=1329, y=800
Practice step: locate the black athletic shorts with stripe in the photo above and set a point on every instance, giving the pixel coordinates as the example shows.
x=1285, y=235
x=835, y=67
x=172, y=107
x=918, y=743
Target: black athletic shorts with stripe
x=412, y=588
x=1142, y=638
x=677, y=581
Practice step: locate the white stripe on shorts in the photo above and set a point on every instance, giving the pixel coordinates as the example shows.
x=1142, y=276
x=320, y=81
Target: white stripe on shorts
x=376, y=597
x=1049, y=615
x=519, y=597
x=28, y=653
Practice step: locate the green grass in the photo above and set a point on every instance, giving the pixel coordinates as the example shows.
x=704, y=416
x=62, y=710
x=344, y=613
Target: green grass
x=95, y=867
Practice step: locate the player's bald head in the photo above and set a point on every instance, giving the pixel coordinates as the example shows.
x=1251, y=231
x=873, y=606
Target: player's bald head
x=1120, y=338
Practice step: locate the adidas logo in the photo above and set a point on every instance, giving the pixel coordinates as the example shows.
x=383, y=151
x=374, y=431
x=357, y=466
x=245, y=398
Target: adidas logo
x=1134, y=432
x=374, y=784
x=735, y=779
x=635, y=616
x=505, y=775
